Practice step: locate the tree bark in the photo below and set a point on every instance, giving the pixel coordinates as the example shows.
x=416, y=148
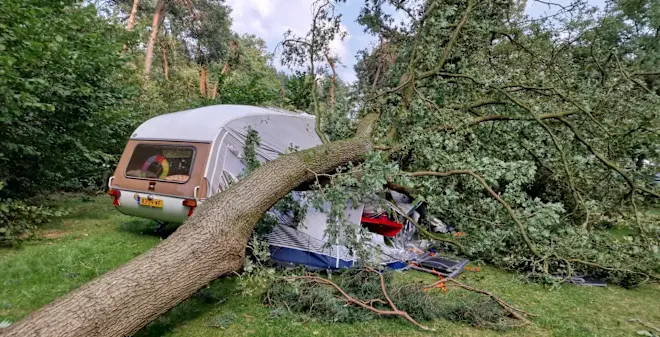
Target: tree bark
x=166, y=68
x=333, y=80
x=155, y=26
x=210, y=244
x=376, y=77
x=131, y=17
x=224, y=70
x=204, y=82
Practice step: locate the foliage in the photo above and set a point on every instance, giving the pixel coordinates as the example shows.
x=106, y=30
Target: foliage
x=313, y=48
x=289, y=206
x=297, y=89
x=63, y=78
x=557, y=115
x=257, y=272
x=210, y=29
x=477, y=311
x=252, y=80
x=92, y=233
x=252, y=142
x=18, y=221
x=320, y=302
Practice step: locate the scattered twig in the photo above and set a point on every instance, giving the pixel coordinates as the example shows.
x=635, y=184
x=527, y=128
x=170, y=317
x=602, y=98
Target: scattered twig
x=515, y=312
x=364, y=304
x=84, y=265
x=646, y=325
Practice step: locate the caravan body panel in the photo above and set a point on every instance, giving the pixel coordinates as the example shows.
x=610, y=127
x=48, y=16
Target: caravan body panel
x=193, y=154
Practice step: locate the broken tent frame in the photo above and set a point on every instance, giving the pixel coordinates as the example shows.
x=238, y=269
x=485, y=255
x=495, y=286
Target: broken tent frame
x=307, y=244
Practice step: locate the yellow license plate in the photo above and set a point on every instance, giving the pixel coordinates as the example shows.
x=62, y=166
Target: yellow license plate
x=151, y=203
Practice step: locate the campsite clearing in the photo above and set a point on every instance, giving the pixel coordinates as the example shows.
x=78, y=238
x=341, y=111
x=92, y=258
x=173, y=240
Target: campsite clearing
x=94, y=238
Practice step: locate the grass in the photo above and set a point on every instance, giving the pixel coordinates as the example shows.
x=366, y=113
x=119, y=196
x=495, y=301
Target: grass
x=95, y=238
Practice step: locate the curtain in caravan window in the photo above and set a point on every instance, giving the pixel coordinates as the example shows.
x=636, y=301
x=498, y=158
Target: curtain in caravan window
x=169, y=163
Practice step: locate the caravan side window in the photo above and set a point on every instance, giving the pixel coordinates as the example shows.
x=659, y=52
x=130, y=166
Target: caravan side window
x=170, y=163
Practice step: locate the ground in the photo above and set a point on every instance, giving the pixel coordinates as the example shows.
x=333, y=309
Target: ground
x=95, y=238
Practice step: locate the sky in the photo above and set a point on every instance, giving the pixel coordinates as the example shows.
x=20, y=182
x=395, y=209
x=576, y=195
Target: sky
x=269, y=19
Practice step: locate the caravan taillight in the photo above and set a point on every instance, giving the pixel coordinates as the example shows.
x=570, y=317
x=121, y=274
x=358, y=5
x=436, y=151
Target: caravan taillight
x=115, y=195
x=192, y=203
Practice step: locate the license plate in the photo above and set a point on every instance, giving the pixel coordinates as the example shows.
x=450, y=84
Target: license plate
x=151, y=203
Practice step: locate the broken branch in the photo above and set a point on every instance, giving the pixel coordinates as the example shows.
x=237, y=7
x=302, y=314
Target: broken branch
x=364, y=304
x=496, y=196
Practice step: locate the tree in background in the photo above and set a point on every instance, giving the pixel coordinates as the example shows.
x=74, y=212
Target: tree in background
x=312, y=49
x=248, y=77
x=296, y=91
x=63, y=80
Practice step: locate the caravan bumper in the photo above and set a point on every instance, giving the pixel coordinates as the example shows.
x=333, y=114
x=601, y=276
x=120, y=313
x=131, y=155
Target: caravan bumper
x=172, y=210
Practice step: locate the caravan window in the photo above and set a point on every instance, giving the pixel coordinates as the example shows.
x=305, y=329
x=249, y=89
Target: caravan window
x=169, y=163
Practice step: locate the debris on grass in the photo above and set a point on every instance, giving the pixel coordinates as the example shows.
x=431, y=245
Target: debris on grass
x=358, y=295
x=221, y=321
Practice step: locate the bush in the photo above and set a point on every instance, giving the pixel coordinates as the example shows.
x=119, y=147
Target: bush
x=18, y=220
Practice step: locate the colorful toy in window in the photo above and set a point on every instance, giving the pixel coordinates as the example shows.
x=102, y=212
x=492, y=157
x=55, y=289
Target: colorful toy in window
x=162, y=161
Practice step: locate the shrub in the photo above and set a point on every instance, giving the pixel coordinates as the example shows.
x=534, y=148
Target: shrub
x=18, y=220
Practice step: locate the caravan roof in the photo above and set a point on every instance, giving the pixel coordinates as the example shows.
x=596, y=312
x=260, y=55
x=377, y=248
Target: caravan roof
x=202, y=124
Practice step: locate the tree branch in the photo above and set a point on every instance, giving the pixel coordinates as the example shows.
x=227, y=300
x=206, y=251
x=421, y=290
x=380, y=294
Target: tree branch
x=606, y=161
x=363, y=304
x=424, y=231
x=521, y=227
x=446, y=52
x=476, y=104
x=497, y=118
x=555, y=141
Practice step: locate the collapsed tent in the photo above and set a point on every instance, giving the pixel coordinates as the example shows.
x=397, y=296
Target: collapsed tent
x=390, y=237
x=307, y=243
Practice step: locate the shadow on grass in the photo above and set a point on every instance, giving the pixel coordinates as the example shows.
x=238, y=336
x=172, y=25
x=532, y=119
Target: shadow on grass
x=147, y=227
x=202, y=302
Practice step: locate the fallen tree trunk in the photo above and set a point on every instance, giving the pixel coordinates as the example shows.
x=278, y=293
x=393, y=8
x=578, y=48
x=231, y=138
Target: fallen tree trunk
x=210, y=244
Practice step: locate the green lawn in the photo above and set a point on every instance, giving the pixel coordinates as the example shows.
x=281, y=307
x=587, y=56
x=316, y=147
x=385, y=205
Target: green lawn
x=94, y=238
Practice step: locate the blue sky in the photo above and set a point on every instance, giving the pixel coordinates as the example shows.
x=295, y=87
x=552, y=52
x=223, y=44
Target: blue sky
x=269, y=19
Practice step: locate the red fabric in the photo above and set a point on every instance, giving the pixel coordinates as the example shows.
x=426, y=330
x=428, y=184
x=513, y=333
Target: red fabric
x=382, y=225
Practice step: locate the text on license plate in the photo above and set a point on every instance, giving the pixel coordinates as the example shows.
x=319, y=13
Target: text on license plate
x=151, y=203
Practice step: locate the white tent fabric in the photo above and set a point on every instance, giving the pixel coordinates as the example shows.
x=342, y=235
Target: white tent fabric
x=307, y=243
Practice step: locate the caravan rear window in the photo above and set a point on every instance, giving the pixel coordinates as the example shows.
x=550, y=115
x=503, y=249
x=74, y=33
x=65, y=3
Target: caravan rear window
x=169, y=163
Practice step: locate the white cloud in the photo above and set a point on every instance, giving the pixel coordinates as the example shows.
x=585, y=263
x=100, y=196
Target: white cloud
x=270, y=19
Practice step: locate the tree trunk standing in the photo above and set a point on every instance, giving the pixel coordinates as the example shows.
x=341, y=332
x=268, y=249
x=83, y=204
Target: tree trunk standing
x=166, y=68
x=158, y=14
x=376, y=77
x=333, y=80
x=224, y=70
x=203, y=82
x=131, y=17
x=210, y=244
